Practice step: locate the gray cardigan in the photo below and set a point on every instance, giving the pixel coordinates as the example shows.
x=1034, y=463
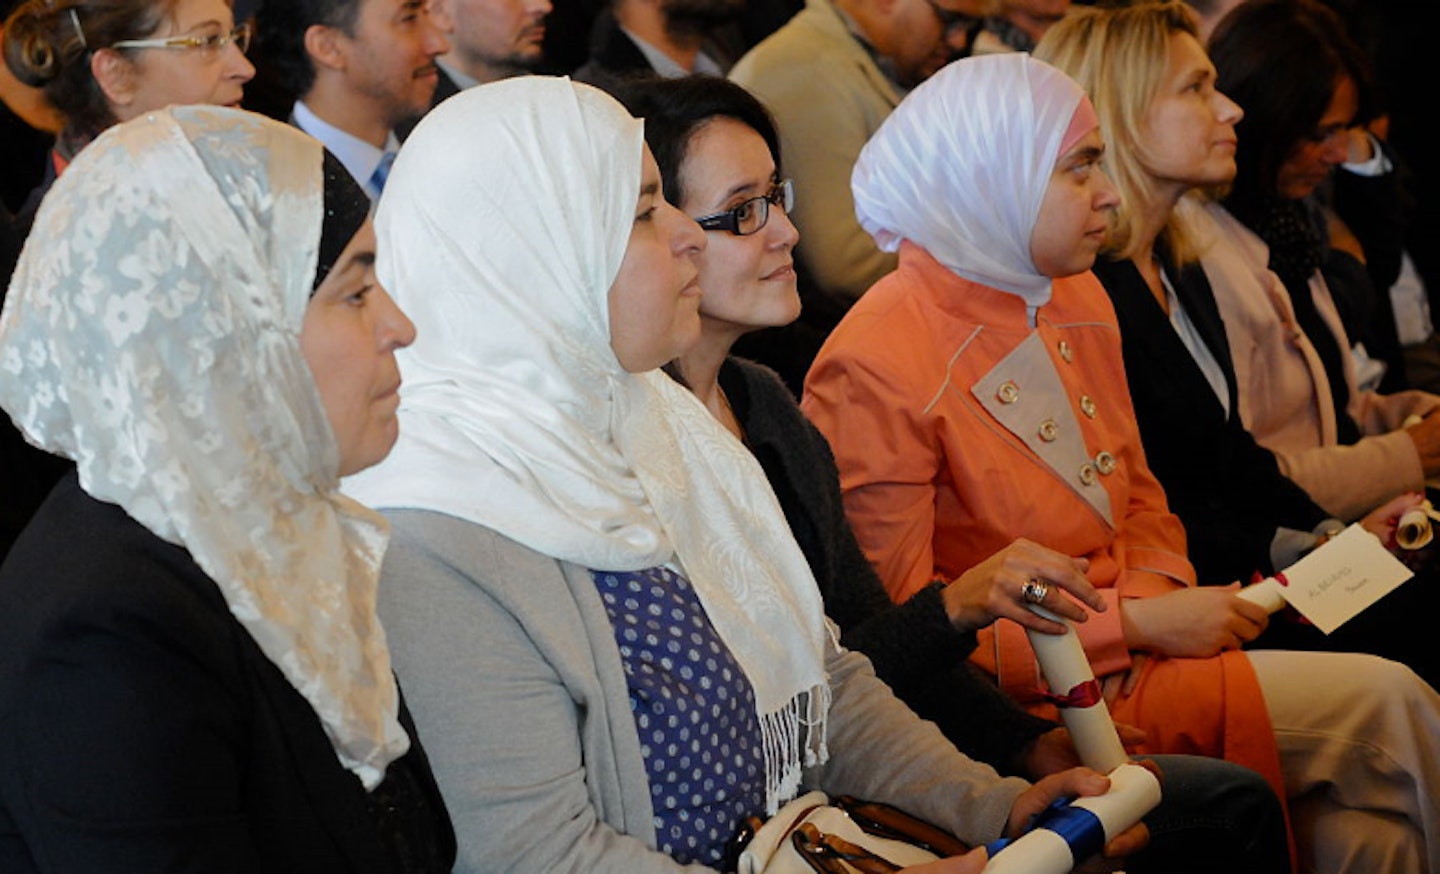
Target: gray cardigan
x=512, y=673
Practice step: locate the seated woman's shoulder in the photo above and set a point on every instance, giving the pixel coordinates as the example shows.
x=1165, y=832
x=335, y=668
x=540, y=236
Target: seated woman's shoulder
x=83, y=564
x=427, y=545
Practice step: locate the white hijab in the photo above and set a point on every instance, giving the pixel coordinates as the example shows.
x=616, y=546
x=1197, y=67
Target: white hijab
x=503, y=225
x=151, y=334
x=961, y=166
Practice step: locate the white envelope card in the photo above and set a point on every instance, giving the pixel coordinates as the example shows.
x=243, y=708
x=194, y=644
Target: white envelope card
x=1333, y=584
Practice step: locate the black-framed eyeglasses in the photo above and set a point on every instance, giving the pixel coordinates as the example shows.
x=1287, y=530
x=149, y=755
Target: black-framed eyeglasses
x=209, y=42
x=751, y=215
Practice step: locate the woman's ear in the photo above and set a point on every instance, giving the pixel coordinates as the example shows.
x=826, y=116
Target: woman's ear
x=115, y=74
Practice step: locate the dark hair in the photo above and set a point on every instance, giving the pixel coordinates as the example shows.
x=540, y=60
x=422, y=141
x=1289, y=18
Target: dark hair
x=1281, y=60
x=346, y=208
x=675, y=109
x=48, y=44
x=280, y=28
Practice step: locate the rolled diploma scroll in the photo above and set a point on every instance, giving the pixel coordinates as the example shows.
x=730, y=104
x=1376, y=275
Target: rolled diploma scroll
x=1068, y=834
x=1266, y=593
x=1065, y=666
x=1413, y=529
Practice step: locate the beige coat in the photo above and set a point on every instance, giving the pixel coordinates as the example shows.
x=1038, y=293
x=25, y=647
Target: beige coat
x=1284, y=394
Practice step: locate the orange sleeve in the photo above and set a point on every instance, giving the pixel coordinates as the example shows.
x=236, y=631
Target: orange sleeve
x=888, y=464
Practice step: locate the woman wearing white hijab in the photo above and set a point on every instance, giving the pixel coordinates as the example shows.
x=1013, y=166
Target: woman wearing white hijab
x=193, y=676
x=978, y=395
x=593, y=594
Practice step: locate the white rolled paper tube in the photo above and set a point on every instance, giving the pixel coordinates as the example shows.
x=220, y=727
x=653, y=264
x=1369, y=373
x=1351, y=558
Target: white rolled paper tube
x=1134, y=791
x=1266, y=593
x=1065, y=666
x=1413, y=530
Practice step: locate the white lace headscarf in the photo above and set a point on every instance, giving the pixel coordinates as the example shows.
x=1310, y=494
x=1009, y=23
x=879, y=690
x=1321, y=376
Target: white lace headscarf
x=152, y=334
x=503, y=225
x=961, y=166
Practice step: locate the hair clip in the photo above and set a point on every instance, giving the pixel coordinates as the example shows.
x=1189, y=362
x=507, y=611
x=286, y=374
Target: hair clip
x=79, y=31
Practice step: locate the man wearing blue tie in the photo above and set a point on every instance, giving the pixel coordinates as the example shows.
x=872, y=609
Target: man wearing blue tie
x=358, y=69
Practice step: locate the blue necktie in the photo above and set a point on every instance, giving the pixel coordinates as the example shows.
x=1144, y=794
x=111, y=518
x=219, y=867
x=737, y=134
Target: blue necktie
x=382, y=172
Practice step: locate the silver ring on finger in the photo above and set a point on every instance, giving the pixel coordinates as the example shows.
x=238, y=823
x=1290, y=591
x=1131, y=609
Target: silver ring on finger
x=1035, y=590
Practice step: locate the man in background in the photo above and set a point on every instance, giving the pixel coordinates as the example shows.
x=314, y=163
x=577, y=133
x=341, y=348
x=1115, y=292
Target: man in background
x=831, y=76
x=671, y=38
x=358, y=68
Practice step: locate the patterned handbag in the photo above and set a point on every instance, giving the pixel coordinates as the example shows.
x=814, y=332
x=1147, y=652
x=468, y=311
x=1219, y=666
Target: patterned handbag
x=815, y=834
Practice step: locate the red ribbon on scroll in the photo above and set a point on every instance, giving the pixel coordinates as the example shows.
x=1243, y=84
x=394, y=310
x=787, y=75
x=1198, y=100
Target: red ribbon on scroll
x=1087, y=694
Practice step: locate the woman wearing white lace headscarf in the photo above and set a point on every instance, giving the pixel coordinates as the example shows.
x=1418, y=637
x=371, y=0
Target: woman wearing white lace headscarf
x=978, y=395
x=98, y=63
x=194, y=677
x=592, y=589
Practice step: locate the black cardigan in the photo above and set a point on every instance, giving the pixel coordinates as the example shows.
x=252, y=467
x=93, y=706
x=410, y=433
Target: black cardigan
x=142, y=729
x=913, y=646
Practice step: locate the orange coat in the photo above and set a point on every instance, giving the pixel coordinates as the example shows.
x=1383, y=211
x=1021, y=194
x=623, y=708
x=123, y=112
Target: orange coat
x=959, y=427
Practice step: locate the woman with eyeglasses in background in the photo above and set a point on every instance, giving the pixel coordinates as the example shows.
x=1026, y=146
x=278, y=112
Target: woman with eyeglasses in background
x=99, y=62
x=1305, y=87
x=105, y=61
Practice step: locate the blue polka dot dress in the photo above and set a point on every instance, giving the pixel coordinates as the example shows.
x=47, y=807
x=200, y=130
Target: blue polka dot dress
x=694, y=709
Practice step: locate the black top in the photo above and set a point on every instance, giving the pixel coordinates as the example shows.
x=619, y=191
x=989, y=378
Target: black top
x=1226, y=488
x=23, y=154
x=1375, y=210
x=142, y=729
x=913, y=646
x=27, y=474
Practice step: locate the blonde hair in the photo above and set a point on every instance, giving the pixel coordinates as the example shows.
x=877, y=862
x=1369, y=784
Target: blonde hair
x=1120, y=56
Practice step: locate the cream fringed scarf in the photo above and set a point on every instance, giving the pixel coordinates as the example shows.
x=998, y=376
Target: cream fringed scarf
x=503, y=224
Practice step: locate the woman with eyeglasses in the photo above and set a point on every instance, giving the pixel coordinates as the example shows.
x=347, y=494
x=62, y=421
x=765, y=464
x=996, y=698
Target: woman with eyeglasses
x=1303, y=84
x=100, y=62
x=718, y=153
x=106, y=61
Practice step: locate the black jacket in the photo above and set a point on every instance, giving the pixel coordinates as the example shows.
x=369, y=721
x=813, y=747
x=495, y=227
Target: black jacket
x=614, y=56
x=142, y=729
x=1225, y=487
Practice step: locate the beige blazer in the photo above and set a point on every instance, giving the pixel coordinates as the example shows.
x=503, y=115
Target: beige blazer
x=1284, y=395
